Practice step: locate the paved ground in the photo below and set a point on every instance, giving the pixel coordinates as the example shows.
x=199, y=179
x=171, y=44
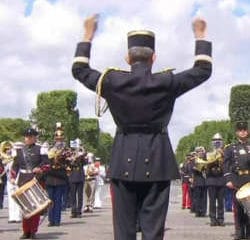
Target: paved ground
x=180, y=224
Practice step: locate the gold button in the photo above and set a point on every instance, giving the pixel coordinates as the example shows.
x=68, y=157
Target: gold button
x=126, y=174
x=147, y=174
x=146, y=160
x=129, y=160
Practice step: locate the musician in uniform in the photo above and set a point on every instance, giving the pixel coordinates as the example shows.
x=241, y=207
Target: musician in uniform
x=237, y=173
x=56, y=179
x=141, y=103
x=215, y=181
x=91, y=173
x=27, y=164
x=199, y=184
x=76, y=180
x=186, y=175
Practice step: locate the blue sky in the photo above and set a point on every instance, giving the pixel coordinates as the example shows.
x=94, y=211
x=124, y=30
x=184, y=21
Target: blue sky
x=39, y=39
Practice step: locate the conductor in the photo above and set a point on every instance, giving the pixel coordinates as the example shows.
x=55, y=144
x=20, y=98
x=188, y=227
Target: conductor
x=141, y=103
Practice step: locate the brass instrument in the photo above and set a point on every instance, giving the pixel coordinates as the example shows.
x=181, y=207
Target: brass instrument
x=200, y=164
x=213, y=158
x=5, y=152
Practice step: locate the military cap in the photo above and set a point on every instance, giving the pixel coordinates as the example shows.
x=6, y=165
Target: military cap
x=30, y=132
x=141, y=38
x=241, y=125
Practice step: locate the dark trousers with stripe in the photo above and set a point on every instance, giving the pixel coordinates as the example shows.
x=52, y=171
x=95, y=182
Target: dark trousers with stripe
x=147, y=202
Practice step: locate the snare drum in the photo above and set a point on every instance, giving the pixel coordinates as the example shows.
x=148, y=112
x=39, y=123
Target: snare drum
x=31, y=198
x=243, y=196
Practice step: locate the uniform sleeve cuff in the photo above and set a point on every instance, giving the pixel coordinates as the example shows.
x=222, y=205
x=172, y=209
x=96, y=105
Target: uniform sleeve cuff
x=203, y=57
x=81, y=60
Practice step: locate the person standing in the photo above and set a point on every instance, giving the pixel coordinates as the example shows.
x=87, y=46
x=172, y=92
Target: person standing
x=76, y=179
x=27, y=164
x=237, y=173
x=141, y=103
x=56, y=177
x=199, y=183
x=215, y=181
x=90, y=183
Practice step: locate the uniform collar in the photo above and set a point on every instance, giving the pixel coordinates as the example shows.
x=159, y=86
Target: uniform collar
x=141, y=66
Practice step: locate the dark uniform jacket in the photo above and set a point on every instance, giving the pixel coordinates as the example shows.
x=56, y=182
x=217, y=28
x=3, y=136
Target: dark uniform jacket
x=28, y=158
x=77, y=173
x=141, y=104
x=214, y=171
x=237, y=163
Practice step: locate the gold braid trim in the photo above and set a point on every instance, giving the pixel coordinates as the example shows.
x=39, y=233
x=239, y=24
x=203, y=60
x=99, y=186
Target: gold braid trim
x=100, y=108
x=167, y=70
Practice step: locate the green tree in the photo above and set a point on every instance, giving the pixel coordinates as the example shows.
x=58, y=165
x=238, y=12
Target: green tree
x=89, y=131
x=12, y=129
x=56, y=106
x=239, y=105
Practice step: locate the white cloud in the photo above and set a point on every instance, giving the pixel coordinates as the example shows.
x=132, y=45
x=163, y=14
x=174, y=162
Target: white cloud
x=37, y=50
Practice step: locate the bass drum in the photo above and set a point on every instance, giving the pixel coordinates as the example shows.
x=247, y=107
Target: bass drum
x=243, y=196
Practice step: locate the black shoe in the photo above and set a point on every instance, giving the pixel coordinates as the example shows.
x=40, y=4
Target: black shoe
x=57, y=224
x=213, y=224
x=51, y=224
x=33, y=236
x=73, y=215
x=12, y=221
x=221, y=224
x=79, y=215
x=25, y=236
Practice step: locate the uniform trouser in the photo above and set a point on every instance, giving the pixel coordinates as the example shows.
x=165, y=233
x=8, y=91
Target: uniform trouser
x=228, y=199
x=89, y=190
x=216, y=203
x=2, y=187
x=147, y=201
x=98, y=197
x=30, y=225
x=186, y=200
x=55, y=194
x=242, y=222
x=76, y=191
x=200, y=200
x=14, y=210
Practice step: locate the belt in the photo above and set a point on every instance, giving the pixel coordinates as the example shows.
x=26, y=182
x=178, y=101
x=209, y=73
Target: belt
x=147, y=129
x=244, y=172
x=25, y=171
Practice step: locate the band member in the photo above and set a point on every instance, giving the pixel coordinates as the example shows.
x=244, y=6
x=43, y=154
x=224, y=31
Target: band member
x=56, y=178
x=14, y=210
x=27, y=164
x=99, y=184
x=141, y=103
x=90, y=183
x=216, y=181
x=199, y=184
x=186, y=175
x=76, y=180
x=237, y=173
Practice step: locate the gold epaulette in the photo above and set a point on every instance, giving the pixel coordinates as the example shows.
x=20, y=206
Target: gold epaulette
x=228, y=145
x=167, y=70
x=100, y=110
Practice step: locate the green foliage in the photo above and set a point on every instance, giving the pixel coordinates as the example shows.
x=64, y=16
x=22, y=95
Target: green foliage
x=12, y=129
x=239, y=106
x=202, y=136
x=56, y=106
x=89, y=131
